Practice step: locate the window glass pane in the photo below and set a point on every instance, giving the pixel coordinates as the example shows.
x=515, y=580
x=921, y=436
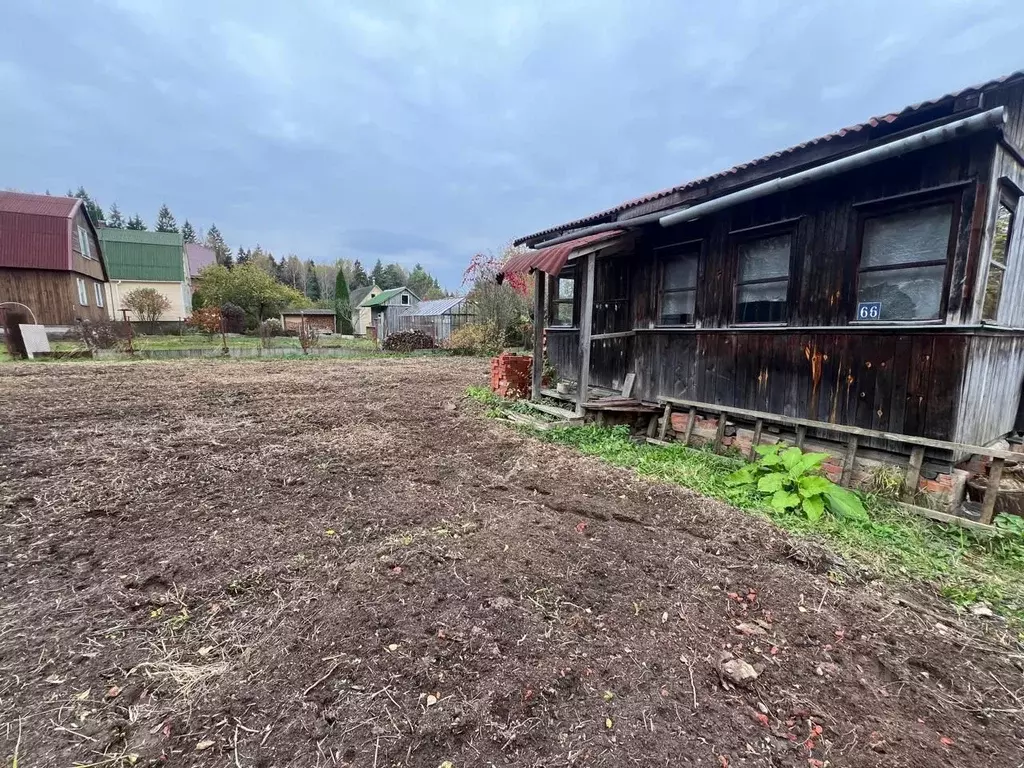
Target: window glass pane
x=1001, y=243
x=907, y=237
x=914, y=293
x=993, y=290
x=563, y=313
x=764, y=258
x=680, y=272
x=762, y=303
x=677, y=307
x=565, y=287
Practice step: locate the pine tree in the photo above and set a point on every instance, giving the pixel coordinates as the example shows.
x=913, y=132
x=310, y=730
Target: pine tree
x=165, y=220
x=242, y=256
x=377, y=275
x=215, y=242
x=342, y=303
x=359, y=276
x=116, y=220
x=312, y=283
x=392, y=276
x=136, y=222
x=188, y=234
x=91, y=207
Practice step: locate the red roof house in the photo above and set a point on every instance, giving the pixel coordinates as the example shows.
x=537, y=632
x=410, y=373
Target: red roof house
x=51, y=264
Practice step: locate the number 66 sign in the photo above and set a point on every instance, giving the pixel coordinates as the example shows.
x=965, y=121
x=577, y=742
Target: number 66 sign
x=869, y=310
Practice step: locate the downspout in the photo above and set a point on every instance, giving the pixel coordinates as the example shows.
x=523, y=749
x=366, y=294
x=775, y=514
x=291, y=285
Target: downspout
x=993, y=118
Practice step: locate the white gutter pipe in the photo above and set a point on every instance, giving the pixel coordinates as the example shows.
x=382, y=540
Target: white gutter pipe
x=993, y=118
x=990, y=119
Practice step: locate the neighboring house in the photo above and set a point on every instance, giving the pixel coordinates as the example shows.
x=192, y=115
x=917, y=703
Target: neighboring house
x=437, y=317
x=139, y=259
x=871, y=278
x=386, y=307
x=199, y=258
x=50, y=259
x=321, y=319
x=362, y=316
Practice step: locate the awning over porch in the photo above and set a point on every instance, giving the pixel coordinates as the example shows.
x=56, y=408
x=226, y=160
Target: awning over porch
x=551, y=260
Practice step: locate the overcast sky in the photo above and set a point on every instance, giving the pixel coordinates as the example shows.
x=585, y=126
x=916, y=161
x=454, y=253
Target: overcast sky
x=425, y=130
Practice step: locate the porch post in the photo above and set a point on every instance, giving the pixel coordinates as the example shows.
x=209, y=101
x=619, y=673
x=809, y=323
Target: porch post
x=540, y=281
x=586, y=322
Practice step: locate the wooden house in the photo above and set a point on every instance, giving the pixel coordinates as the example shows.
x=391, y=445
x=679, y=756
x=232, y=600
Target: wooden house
x=52, y=270
x=323, y=320
x=872, y=278
x=142, y=259
x=362, y=317
x=386, y=307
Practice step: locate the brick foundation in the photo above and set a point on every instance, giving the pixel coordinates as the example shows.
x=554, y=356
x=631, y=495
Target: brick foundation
x=511, y=375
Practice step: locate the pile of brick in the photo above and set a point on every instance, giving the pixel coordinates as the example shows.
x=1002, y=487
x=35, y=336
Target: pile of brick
x=510, y=375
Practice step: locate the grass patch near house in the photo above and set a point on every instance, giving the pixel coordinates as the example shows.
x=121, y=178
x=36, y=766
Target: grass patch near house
x=963, y=566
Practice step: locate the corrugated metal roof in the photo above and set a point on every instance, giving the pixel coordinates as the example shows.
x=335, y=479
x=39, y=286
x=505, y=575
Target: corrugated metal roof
x=873, y=122
x=199, y=257
x=38, y=205
x=436, y=306
x=551, y=260
x=140, y=255
x=35, y=231
x=383, y=296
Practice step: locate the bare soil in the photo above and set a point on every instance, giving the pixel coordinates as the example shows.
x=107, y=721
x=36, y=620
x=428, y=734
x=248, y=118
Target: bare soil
x=344, y=563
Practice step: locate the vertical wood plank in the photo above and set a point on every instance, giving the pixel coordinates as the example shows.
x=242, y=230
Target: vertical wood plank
x=689, y=426
x=848, y=462
x=539, y=284
x=988, y=505
x=720, y=432
x=801, y=435
x=586, y=323
x=664, y=421
x=913, y=472
x=758, y=427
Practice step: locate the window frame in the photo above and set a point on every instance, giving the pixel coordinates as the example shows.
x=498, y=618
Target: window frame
x=97, y=289
x=1009, y=198
x=889, y=207
x=406, y=301
x=568, y=273
x=83, y=243
x=752, y=234
x=663, y=254
x=83, y=293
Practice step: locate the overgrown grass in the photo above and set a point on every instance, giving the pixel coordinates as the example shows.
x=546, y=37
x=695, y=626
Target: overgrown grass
x=963, y=566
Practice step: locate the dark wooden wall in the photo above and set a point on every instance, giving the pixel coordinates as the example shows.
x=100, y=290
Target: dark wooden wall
x=90, y=267
x=52, y=295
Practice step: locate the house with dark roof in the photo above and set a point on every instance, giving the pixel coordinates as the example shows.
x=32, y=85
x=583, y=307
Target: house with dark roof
x=199, y=258
x=362, y=316
x=52, y=270
x=141, y=259
x=871, y=279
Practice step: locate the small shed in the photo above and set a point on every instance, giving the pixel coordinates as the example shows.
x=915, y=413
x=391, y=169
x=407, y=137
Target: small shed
x=362, y=316
x=387, y=306
x=323, y=320
x=437, y=317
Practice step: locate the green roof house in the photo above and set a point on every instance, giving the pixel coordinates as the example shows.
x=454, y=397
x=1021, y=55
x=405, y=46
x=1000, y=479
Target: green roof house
x=140, y=259
x=380, y=310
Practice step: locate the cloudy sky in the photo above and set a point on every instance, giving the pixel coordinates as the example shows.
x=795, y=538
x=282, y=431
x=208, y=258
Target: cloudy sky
x=426, y=130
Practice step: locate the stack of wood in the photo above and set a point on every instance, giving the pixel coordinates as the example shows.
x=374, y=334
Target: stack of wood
x=510, y=375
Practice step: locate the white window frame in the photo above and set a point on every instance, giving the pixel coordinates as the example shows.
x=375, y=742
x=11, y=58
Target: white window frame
x=98, y=292
x=83, y=294
x=83, y=243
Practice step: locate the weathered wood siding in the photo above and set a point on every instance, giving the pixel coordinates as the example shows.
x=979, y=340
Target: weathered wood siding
x=1011, y=305
x=994, y=371
x=90, y=267
x=564, y=351
x=52, y=295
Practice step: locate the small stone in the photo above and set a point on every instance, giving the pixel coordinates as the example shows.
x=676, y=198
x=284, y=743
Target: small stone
x=206, y=744
x=431, y=699
x=113, y=692
x=762, y=707
x=982, y=609
x=749, y=629
x=737, y=672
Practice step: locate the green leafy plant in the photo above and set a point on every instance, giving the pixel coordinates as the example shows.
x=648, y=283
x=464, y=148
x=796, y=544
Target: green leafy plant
x=789, y=479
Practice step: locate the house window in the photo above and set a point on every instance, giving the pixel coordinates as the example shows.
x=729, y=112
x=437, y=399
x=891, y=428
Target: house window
x=83, y=243
x=563, y=300
x=763, y=279
x=679, y=285
x=83, y=294
x=405, y=298
x=997, y=263
x=903, y=264
x=98, y=291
